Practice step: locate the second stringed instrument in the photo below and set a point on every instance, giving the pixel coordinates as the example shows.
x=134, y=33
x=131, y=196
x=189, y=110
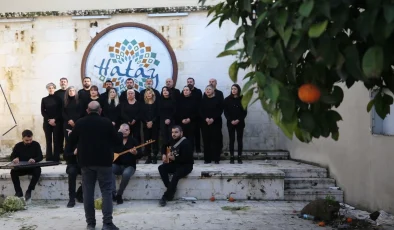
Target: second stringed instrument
x=116, y=155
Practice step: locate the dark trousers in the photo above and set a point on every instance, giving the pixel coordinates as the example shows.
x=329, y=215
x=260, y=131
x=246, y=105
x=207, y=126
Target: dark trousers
x=179, y=171
x=152, y=133
x=89, y=177
x=239, y=129
x=197, y=134
x=165, y=131
x=52, y=136
x=127, y=172
x=61, y=135
x=188, y=131
x=72, y=171
x=135, y=131
x=16, y=173
x=211, y=135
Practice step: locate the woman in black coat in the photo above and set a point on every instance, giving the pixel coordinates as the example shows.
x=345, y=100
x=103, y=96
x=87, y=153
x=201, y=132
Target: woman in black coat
x=111, y=108
x=211, y=110
x=235, y=115
x=149, y=119
x=188, y=113
x=130, y=114
x=167, y=109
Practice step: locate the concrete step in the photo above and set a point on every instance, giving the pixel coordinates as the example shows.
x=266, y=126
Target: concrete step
x=248, y=181
x=309, y=183
x=312, y=194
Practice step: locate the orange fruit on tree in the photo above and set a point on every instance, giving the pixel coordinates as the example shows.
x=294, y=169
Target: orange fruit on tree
x=349, y=220
x=322, y=224
x=231, y=199
x=309, y=93
x=212, y=198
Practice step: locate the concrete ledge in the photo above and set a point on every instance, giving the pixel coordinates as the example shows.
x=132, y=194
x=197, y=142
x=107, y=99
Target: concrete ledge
x=312, y=194
x=243, y=182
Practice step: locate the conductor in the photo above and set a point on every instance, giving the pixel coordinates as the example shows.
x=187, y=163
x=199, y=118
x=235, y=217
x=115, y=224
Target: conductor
x=94, y=136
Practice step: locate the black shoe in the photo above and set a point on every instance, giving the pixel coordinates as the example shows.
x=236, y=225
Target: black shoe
x=207, y=162
x=91, y=227
x=28, y=195
x=110, y=226
x=71, y=203
x=154, y=160
x=19, y=194
x=240, y=160
x=148, y=161
x=217, y=162
x=113, y=197
x=163, y=202
x=119, y=199
x=231, y=160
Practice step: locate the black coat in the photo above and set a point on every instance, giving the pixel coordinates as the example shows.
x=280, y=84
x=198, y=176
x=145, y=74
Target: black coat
x=127, y=159
x=95, y=138
x=233, y=110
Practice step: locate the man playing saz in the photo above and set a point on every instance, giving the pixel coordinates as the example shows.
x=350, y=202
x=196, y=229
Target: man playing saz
x=179, y=162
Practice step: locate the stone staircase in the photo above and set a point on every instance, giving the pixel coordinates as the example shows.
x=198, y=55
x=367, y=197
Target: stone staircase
x=265, y=175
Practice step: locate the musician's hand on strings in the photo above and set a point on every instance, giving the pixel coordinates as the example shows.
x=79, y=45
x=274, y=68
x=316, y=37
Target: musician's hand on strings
x=164, y=158
x=75, y=151
x=71, y=122
x=16, y=160
x=32, y=161
x=172, y=157
x=133, y=151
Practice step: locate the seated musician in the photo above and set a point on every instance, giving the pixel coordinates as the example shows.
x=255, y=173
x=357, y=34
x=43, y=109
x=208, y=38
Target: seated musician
x=26, y=151
x=72, y=171
x=180, y=162
x=125, y=165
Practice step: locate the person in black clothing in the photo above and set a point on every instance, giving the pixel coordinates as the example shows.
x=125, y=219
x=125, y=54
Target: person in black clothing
x=211, y=110
x=51, y=110
x=71, y=110
x=27, y=150
x=188, y=111
x=235, y=115
x=72, y=171
x=129, y=85
x=84, y=94
x=219, y=95
x=148, y=85
x=60, y=93
x=104, y=96
x=197, y=96
x=180, y=163
x=149, y=118
x=95, y=137
x=126, y=164
x=94, y=96
x=167, y=109
x=130, y=114
x=111, y=108
x=175, y=93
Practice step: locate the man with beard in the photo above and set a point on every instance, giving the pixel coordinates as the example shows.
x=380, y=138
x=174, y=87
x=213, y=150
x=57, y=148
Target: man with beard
x=129, y=85
x=149, y=85
x=175, y=93
x=60, y=93
x=180, y=162
x=197, y=96
x=104, y=96
x=84, y=94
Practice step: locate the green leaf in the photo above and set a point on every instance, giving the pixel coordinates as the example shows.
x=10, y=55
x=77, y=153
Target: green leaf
x=306, y=8
x=247, y=6
x=373, y=61
x=335, y=136
x=230, y=44
x=233, y=71
x=288, y=128
x=250, y=74
x=228, y=52
x=382, y=104
x=370, y=105
x=272, y=62
x=388, y=11
x=317, y=29
x=324, y=8
x=287, y=104
x=335, y=98
x=248, y=84
x=247, y=97
x=239, y=32
x=287, y=35
x=261, y=79
x=307, y=121
x=261, y=18
x=272, y=91
x=352, y=62
x=213, y=19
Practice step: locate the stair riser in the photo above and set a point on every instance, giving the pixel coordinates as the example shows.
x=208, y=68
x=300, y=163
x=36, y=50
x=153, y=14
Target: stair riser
x=305, y=173
x=309, y=184
x=311, y=197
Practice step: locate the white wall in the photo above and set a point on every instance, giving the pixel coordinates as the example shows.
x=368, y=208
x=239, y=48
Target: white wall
x=35, y=53
x=360, y=162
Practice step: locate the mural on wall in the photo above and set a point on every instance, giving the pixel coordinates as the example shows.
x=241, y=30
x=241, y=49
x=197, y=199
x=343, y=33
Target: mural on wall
x=129, y=50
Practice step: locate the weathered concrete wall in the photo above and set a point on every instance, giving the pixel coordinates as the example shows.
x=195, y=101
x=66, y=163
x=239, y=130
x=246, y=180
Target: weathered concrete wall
x=48, y=5
x=35, y=53
x=360, y=162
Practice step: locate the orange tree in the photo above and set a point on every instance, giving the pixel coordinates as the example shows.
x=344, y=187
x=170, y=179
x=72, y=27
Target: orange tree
x=306, y=47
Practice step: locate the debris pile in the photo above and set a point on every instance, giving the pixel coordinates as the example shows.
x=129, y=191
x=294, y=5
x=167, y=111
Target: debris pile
x=11, y=204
